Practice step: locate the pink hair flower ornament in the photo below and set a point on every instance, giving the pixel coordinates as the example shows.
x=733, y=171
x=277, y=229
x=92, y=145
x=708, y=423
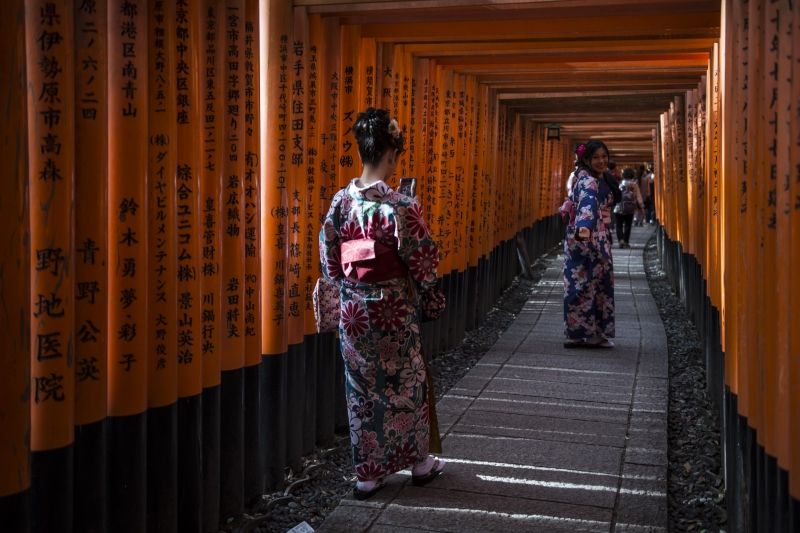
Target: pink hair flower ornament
x=580, y=150
x=394, y=128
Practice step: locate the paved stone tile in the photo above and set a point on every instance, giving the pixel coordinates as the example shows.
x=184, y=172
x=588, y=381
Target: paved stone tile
x=561, y=362
x=597, y=376
x=530, y=482
x=574, y=456
x=541, y=428
x=346, y=518
x=544, y=407
x=561, y=391
x=457, y=511
x=389, y=528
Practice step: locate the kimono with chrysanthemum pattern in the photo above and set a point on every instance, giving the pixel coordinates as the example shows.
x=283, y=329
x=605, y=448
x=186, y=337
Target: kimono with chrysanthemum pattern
x=385, y=374
x=588, y=266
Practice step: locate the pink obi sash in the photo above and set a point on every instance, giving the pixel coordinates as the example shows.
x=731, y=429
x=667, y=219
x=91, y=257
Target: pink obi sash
x=370, y=261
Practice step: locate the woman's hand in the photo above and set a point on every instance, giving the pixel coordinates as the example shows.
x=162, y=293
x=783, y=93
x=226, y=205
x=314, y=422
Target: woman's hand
x=584, y=233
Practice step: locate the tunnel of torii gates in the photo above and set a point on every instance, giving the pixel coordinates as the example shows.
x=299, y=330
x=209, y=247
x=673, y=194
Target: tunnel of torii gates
x=166, y=164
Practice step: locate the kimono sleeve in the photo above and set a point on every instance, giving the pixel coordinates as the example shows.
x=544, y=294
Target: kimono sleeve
x=415, y=245
x=588, y=211
x=330, y=243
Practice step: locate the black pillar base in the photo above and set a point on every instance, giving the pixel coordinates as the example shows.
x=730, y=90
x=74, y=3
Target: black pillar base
x=162, y=469
x=273, y=398
x=90, y=477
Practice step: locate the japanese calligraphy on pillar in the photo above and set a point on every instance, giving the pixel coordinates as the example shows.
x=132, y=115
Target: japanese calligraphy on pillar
x=187, y=196
x=743, y=111
x=51, y=160
x=348, y=104
x=412, y=127
x=432, y=163
x=387, y=83
x=233, y=192
x=370, y=85
x=716, y=136
x=274, y=180
x=127, y=231
x=210, y=192
x=252, y=194
x=280, y=212
x=312, y=205
x=772, y=41
x=330, y=141
x=90, y=201
x=295, y=302
x=446, y=174
x=161, y=308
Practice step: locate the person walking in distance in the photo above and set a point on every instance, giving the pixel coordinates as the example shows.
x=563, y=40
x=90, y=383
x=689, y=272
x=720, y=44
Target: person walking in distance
x=629, y=204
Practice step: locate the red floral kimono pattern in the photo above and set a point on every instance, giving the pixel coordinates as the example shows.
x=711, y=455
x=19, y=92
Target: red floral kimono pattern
x=385, y=375
x=588, y=267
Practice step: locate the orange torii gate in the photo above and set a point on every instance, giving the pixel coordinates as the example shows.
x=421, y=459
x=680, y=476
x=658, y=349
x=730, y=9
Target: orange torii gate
x=162, y=261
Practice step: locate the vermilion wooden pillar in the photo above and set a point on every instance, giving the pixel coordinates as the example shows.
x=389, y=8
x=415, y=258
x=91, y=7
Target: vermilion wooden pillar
x=15, y=477
x=254, y=438
x=233, y=261
x=51, y=155
x=162, y=312
x=128, y=263
x=211, y=321
x=275, y=148
x=91, y=264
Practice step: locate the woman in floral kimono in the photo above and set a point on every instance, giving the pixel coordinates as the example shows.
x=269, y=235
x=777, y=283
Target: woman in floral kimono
x=588, y=268
x=375, y=242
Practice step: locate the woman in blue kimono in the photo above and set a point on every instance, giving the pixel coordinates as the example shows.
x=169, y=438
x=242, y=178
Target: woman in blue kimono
x=588, y=267
x=375, y=243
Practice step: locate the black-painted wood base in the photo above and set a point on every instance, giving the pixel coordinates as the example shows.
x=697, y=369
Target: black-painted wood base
x=15, y=512
x=211, y=458
x=309, y=417
x=231, y=501
x=190, y=462
x=253, y=437
x=127, y=473
x=273, y=397
x=295, y=407
x=162, y=469
x=90, y=477
x=326, y=388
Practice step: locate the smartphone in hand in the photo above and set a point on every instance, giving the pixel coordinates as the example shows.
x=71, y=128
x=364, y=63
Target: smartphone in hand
x=408, y=186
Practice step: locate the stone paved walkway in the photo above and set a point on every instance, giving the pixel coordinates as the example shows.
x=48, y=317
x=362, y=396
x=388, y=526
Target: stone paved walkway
x=541, y=438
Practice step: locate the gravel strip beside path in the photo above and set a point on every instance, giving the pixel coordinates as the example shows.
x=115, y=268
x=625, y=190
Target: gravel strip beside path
x=696, y=489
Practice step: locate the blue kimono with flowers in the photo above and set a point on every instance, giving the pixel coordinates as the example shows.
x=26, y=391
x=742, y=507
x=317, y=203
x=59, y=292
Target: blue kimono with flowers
x=588, y=268
x=385, y=374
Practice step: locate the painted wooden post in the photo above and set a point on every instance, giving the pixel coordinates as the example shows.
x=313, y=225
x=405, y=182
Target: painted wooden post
x=212, y=51
x=254, y=439
x=312, y=208
x=91, y=264
x=128, y=263
x=233, y=267
x=15, y=391
x=295, y=301
x=162, y=311
x=794, y=313
x=275, y=147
